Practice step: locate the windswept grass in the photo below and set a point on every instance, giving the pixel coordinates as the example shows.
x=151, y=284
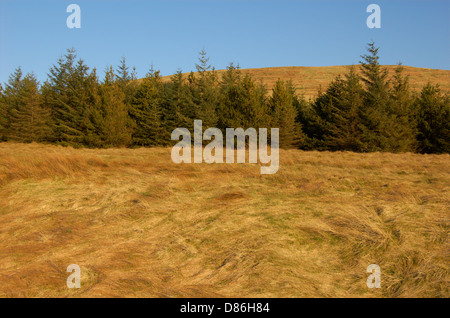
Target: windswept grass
x=140, y=225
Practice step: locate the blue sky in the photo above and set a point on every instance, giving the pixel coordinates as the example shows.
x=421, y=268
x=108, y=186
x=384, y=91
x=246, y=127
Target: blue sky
x=254, y=33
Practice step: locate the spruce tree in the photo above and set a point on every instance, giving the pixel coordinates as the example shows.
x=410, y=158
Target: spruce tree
x=318, y=122
x=305, y=115
x=11, y=98
x=377, y=120
x=283, y=114
x=29, y=120
x=91, y=105
x=433, y=120
x=123, y=74
x=230, y=111
x=146, y=111
x=254, y=103
x=116, y=125
x=178, y=110
x=345, y=123
x=404, y=130
x=71, y=92
x=243, y=102
x=205, y=92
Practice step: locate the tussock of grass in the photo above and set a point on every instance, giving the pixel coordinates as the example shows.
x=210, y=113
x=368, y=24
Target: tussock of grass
x=140, y=225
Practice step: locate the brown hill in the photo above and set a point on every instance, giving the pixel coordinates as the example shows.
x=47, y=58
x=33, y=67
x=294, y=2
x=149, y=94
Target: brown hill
x=307, y=80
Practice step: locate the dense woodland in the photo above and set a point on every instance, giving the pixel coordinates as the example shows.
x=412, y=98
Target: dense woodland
x=363, y=111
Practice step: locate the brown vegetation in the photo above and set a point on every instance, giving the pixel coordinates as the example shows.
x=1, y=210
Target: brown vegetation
x=140, y=225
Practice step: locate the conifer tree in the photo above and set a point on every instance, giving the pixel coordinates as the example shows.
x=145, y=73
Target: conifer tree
x=71, y=92
x=433, y=120
x=404, y=128
x=345, y=123
x=305, y=117
x=10, y=99
x=205, y=93
x=377, y=120
x=116, y=125
x=243, y=102
x=91, y=104
x=318, y=122
x=123, y=74
x=178, y=108
x=283, y=114
x=254, y=103
x=146, y=111
x=29, y=120
x=230, y=113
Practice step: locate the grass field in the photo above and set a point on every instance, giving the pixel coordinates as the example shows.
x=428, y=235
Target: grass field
x=140, y=225
x=307, y=80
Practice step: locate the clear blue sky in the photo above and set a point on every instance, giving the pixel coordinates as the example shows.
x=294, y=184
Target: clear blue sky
x=254, y=33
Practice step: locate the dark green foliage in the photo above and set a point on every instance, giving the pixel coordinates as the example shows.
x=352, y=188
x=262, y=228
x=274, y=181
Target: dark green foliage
x=23, y=116
x=147, y=111
x=204, y=90
x=116, y=124
x=283, y=114
x=359, y=111
x=386, y=126
x=318, y=121
x=123, y=74
x=375, y=114
x=433, y=120
x=29, y=120
x=71, y=93
x=178, y=110
x=345, y=127
x=10, y=100
x=404, y=127
x=243, y=102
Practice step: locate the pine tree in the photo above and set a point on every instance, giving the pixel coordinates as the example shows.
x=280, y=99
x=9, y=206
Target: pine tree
x=230, y=111
x=146, y=111
x=123, y=74
x=11, y=98
x=345, y=123
x=254, y=103
x=318, y=121
x=91, y=105
x=404, y=130
x=377, y=121
x=71, y=92
x=433, y=120
x=116, y=125
x=304, y=119
x=243, y=102
x=178, y=110
x=283, y=114
x=29, y=120
x=205, y=92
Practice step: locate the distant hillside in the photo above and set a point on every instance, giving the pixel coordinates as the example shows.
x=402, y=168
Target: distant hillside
x=307, y=80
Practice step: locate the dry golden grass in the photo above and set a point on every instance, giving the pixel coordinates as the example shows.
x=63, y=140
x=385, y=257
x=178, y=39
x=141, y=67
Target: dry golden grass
x=307, y=80
x=141, y=226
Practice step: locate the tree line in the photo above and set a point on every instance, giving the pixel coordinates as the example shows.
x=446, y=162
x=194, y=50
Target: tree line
x=361, y=111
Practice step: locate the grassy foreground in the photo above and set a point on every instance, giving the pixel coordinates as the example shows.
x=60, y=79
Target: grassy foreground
x=140, y=225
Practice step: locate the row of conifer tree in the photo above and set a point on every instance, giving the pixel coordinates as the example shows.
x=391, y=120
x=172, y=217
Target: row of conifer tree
x=365, y=110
